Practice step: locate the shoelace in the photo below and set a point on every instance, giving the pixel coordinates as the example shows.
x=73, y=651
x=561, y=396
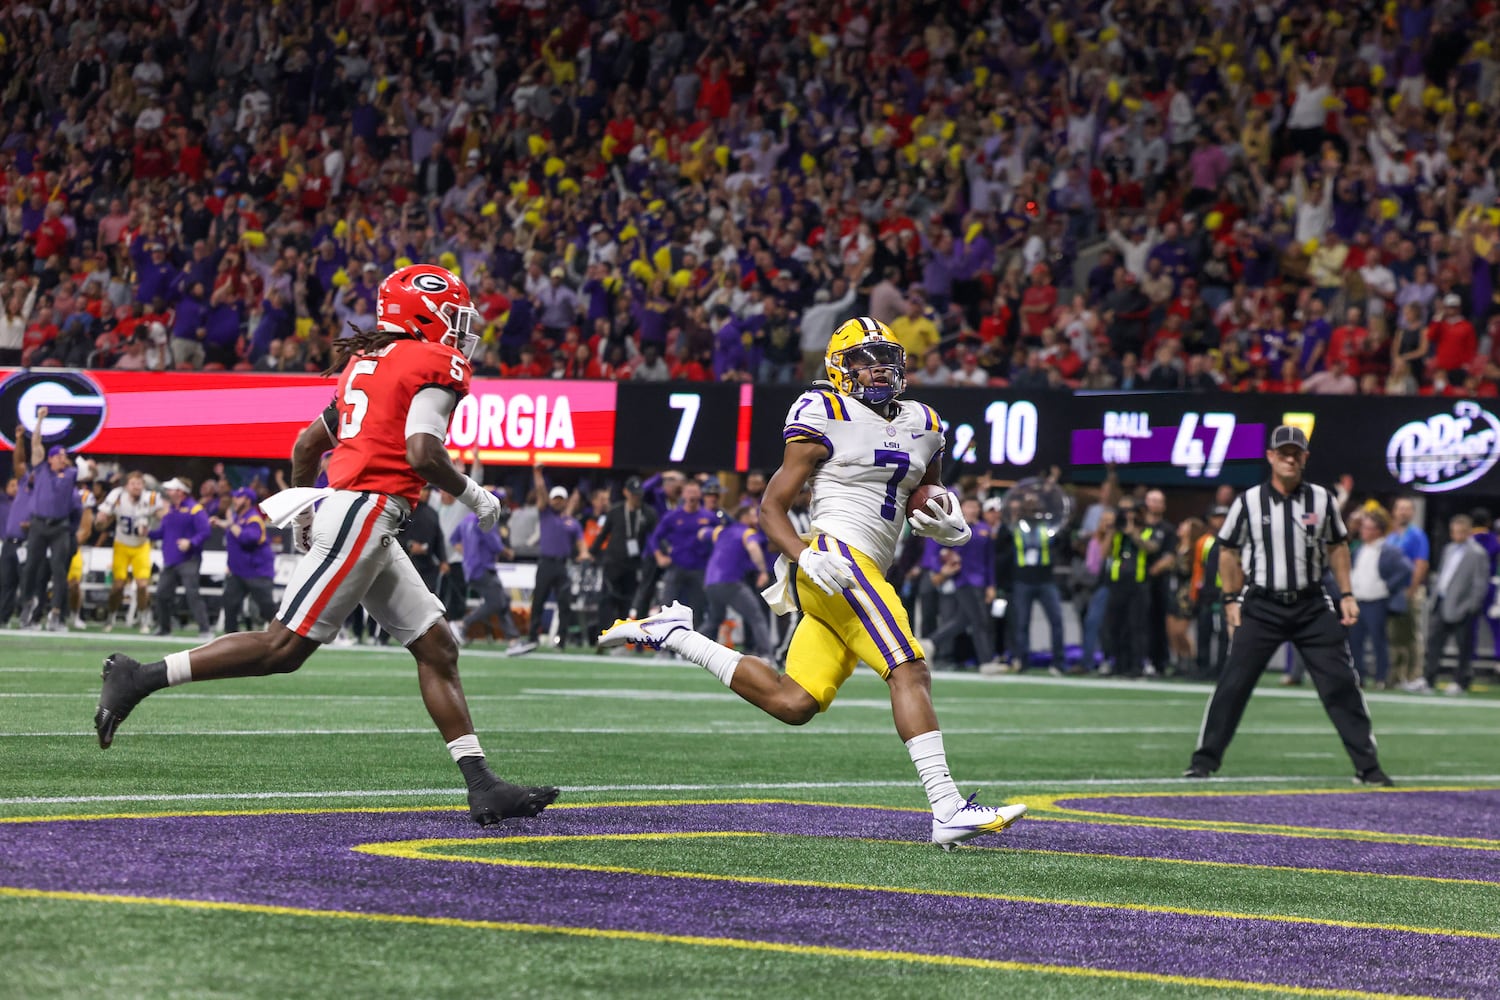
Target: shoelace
x=969, y=803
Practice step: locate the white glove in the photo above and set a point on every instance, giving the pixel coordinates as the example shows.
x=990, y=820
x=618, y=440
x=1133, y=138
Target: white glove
x=302, y=531
x=481, y=502
x=944, y=527
x=829, y=570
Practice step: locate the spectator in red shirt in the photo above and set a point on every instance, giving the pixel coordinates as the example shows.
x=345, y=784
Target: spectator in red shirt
x=1454, y=341
x=993, y=328
x=1290, y=380
x=52, y=235
x=43, y=330
x=713, y=94
x=527, y=366
x=1038, y=303
x=317, y=187
x=1346, y=342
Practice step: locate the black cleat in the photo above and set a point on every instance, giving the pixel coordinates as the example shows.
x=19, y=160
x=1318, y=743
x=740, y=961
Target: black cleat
x=122, y=691
x=1374, y=776
x=1197, y=771
x=502, y=800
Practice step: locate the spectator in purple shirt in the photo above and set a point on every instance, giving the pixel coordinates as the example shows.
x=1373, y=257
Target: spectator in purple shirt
x=481, y=550
x=560, y=539
x=13, y=530
x=252, y=560
x=183, y=530
x=153, y=270
x=738, y=556
x=680, y=550
x=56, y=509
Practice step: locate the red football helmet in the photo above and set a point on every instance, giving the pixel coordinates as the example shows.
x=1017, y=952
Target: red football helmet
x=429, y=302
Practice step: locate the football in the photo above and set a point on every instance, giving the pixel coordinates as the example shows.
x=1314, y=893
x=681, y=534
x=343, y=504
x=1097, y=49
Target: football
x=922, y=494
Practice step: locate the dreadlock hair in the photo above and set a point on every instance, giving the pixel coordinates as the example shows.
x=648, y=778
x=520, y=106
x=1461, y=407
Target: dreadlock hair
x=361, y=342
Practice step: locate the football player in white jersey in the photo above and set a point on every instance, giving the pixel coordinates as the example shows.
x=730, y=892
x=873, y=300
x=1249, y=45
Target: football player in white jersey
x=132, y=507
x=863, y=450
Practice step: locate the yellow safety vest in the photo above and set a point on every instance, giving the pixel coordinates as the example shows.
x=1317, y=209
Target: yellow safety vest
x=1021, y=548
x=1140, y=557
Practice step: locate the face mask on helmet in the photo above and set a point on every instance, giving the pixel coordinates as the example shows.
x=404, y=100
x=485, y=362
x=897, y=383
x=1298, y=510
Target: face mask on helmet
x=875, y=357
x=460, y=320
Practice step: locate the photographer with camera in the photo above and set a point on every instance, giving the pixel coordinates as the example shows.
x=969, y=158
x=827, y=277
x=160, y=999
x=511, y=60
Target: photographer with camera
x=1126, y=573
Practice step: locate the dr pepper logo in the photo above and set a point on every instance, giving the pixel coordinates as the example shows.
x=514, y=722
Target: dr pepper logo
x=1445, y=451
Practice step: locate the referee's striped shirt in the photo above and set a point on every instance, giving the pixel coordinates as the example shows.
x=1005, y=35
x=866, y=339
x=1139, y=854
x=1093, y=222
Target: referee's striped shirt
x=1283, y=540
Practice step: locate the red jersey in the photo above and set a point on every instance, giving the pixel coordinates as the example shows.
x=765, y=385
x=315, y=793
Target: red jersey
x=375, y=391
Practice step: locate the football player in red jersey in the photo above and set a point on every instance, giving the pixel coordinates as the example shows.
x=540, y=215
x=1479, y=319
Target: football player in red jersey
x=387, y=424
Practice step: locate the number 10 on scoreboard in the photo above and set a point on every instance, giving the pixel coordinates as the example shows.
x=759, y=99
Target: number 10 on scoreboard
x=1187, y=449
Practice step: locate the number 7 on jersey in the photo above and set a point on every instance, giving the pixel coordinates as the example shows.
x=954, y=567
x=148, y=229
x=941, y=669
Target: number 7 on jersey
x=901, y=461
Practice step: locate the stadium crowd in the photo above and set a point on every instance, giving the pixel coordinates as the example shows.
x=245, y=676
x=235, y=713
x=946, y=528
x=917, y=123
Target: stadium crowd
x=1139, y=194
x=1144, y=589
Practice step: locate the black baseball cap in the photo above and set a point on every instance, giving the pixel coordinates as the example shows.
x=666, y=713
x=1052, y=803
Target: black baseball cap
x=1287, y=434
x=633, y=484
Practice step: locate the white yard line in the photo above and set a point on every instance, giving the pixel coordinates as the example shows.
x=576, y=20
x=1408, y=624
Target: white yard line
x=739, y=728
x=735, y=787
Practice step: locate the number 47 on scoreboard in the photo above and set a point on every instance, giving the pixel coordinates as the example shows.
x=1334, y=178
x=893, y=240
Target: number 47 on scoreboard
x=1188, y=452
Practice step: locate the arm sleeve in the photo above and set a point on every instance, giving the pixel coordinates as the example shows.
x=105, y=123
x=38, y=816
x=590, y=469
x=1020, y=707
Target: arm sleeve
x=431, y=408
x=331, y=419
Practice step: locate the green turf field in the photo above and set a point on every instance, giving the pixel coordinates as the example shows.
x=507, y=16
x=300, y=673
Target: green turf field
x=701, y=849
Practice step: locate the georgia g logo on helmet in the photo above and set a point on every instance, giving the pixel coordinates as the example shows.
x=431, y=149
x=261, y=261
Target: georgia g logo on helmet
x=430, y=303
x=863, y=345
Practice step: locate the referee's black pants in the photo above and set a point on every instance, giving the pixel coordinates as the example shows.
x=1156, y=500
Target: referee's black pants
x=1311, y=625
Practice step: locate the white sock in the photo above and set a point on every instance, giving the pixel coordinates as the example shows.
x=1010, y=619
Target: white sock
x=178, y=670
x=465, y=746
x=700, y=649
x=932, y=767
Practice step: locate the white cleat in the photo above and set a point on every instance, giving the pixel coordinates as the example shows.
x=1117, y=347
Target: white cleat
x=974, y=820
x=651, y=630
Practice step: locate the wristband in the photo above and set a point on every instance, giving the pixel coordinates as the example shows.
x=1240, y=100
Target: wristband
x=470, y=496
x=1235, y=599
x=1346, y=594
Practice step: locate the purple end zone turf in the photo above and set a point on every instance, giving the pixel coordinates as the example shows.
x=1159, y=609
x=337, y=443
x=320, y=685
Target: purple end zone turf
x=306, y=861
x=1432, y=814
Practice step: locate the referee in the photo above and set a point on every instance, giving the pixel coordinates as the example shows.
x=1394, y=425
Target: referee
x=1279, y=538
